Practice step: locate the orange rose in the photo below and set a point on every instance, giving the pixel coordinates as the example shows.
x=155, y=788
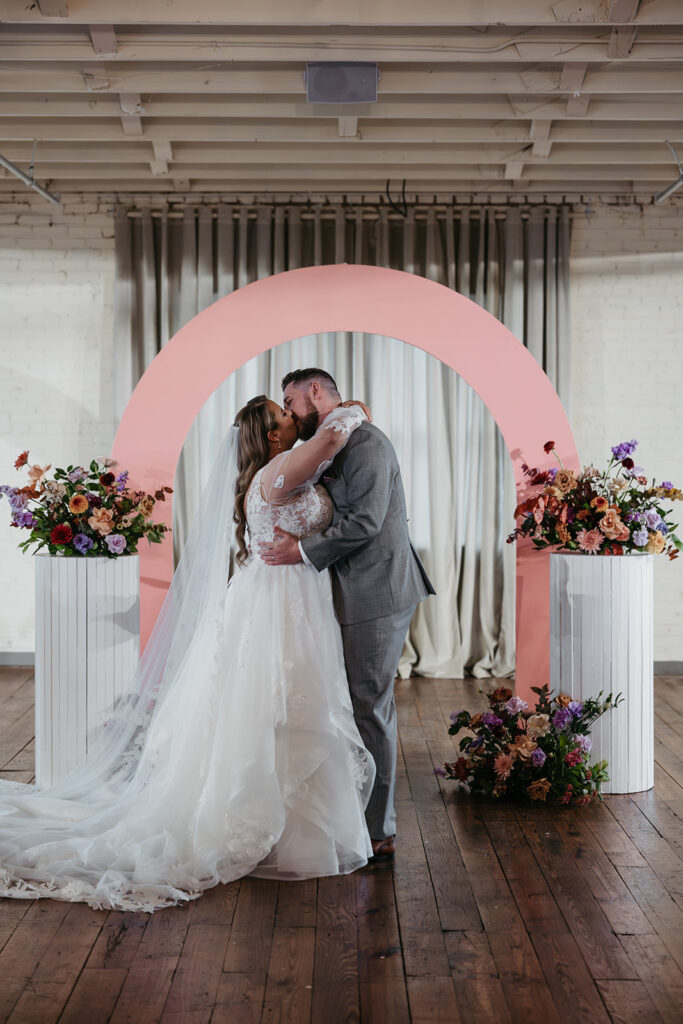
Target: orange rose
x=563, y=699
x=523, y=747
x=599, y=503
x=656, y=542
x=565, y=480
x=538, y=790
x=101, y=521
x=611, y=525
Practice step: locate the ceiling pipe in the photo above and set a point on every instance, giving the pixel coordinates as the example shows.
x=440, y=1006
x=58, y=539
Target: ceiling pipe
x=662, y=196
x=30, y=182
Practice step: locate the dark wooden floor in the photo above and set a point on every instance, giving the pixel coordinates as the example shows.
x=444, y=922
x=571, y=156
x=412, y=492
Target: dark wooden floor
x=490, y=914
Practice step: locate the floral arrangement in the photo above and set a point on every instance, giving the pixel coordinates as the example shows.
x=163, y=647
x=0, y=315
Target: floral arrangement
x=539, y=754
x=609, y=513
x=86, y=512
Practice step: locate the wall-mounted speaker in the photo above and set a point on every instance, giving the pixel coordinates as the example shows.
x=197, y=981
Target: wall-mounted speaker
x=341, y=81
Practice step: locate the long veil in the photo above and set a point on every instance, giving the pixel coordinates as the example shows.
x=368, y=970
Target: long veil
x=199, y=583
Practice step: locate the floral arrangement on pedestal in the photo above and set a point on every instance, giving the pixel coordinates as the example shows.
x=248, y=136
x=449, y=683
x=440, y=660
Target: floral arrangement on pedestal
x=84, y=512
x=524, y=754
x=610, y=512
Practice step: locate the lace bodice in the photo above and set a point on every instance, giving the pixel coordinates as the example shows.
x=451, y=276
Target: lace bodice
x=309, y=512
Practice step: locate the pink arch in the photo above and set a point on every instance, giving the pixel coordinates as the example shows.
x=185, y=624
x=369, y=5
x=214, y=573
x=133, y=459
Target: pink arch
x=373, y=300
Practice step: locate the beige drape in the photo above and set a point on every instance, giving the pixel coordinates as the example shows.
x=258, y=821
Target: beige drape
x=456, y=469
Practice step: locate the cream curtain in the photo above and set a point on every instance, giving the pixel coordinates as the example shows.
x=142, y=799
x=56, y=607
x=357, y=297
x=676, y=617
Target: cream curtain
x=456, y=469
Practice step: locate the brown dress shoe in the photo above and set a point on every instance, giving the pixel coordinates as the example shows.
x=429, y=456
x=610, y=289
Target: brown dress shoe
x=383, y=850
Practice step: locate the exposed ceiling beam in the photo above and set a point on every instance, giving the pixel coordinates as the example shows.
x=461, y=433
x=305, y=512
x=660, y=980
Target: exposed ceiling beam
x=93, y=76
x=577, y=105
x=162, y=150
x=103, y=39
x=347, y=127
x=53, y=8
x=131, y=151
x=144, y=45
x=623, y=10
x=99, y=129
x=273, y=108
x=256, y=82
x=339, y=12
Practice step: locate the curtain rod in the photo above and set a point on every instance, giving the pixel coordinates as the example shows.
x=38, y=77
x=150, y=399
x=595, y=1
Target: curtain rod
x=328, y=214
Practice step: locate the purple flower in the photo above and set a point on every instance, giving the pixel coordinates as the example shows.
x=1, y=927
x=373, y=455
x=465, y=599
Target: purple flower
x=562, y=718
x=584, y=742
x=538, y=758
x=551, y=472
x=25, y=519
x=82, y=543
x=94, y=499
x=620, y=451
x=515, y=705
x=76, y=474
x=576, y=708
x=652, y=518
x=639, y=538
x=475, y=744
x=667, y=484
x=116, y=543
x=441, y=772
x=488, y=718
x=663, y=528
x=121, y=481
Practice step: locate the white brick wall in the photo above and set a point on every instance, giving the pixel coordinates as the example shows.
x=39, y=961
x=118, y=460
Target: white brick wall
x=627, y=311
x=56, y=288
x=56, y=297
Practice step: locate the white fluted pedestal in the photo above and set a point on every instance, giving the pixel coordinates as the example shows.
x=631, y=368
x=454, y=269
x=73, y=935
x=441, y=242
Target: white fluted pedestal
x=87, y=651
x=601, y=638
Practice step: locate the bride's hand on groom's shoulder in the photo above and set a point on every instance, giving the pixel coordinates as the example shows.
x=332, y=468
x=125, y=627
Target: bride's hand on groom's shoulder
x=364, y=407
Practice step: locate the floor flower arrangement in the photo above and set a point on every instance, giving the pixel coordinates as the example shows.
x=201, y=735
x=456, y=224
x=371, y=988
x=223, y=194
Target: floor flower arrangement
x=517, y=752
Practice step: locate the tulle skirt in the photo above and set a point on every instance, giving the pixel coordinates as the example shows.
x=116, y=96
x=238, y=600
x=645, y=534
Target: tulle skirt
x=252, y=764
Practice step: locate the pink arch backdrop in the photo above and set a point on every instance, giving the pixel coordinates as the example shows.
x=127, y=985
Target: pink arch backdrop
x=370, y=300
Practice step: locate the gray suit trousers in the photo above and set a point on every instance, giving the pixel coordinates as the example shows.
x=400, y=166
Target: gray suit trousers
x=371, y=651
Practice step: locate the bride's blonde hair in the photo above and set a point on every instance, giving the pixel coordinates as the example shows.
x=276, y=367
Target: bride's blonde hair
x=254, y=420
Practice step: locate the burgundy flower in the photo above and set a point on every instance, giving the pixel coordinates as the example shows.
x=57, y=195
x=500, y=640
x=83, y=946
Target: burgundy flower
x=22, y=460
x=61, y=534
x=627, y=463
x=548, y=446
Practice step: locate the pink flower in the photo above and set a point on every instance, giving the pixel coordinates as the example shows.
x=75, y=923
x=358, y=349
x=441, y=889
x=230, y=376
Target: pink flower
x=503, y=765
x=590, y=540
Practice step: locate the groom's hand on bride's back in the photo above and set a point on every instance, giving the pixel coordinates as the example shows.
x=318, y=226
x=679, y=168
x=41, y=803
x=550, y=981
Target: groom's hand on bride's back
x=284, y=550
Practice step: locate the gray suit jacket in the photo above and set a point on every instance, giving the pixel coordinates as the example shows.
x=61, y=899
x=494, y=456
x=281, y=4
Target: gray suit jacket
x=375, y=569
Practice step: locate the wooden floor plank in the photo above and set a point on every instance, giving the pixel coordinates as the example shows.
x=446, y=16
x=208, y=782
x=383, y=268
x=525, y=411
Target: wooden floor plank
x=381, y=971
x=196, y=978
x=57, y=973
x=336, y=996
x=290, y=976
x=94, y=996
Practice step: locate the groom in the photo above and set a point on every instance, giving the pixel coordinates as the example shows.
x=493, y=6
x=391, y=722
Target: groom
x=377, y=578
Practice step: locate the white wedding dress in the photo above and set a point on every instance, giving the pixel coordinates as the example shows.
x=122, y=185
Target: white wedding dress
x=250, y=764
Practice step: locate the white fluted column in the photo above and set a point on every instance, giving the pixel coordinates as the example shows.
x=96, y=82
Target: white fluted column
x=87, y=651
x=601, y=638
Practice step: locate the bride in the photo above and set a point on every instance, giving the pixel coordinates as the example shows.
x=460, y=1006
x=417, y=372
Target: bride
x=236, y=751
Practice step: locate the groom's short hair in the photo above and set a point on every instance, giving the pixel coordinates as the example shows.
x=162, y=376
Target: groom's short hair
x=307, y=376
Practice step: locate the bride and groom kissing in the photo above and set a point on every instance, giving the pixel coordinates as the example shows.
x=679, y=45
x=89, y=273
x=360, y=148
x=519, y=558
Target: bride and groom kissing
x=268, y=746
